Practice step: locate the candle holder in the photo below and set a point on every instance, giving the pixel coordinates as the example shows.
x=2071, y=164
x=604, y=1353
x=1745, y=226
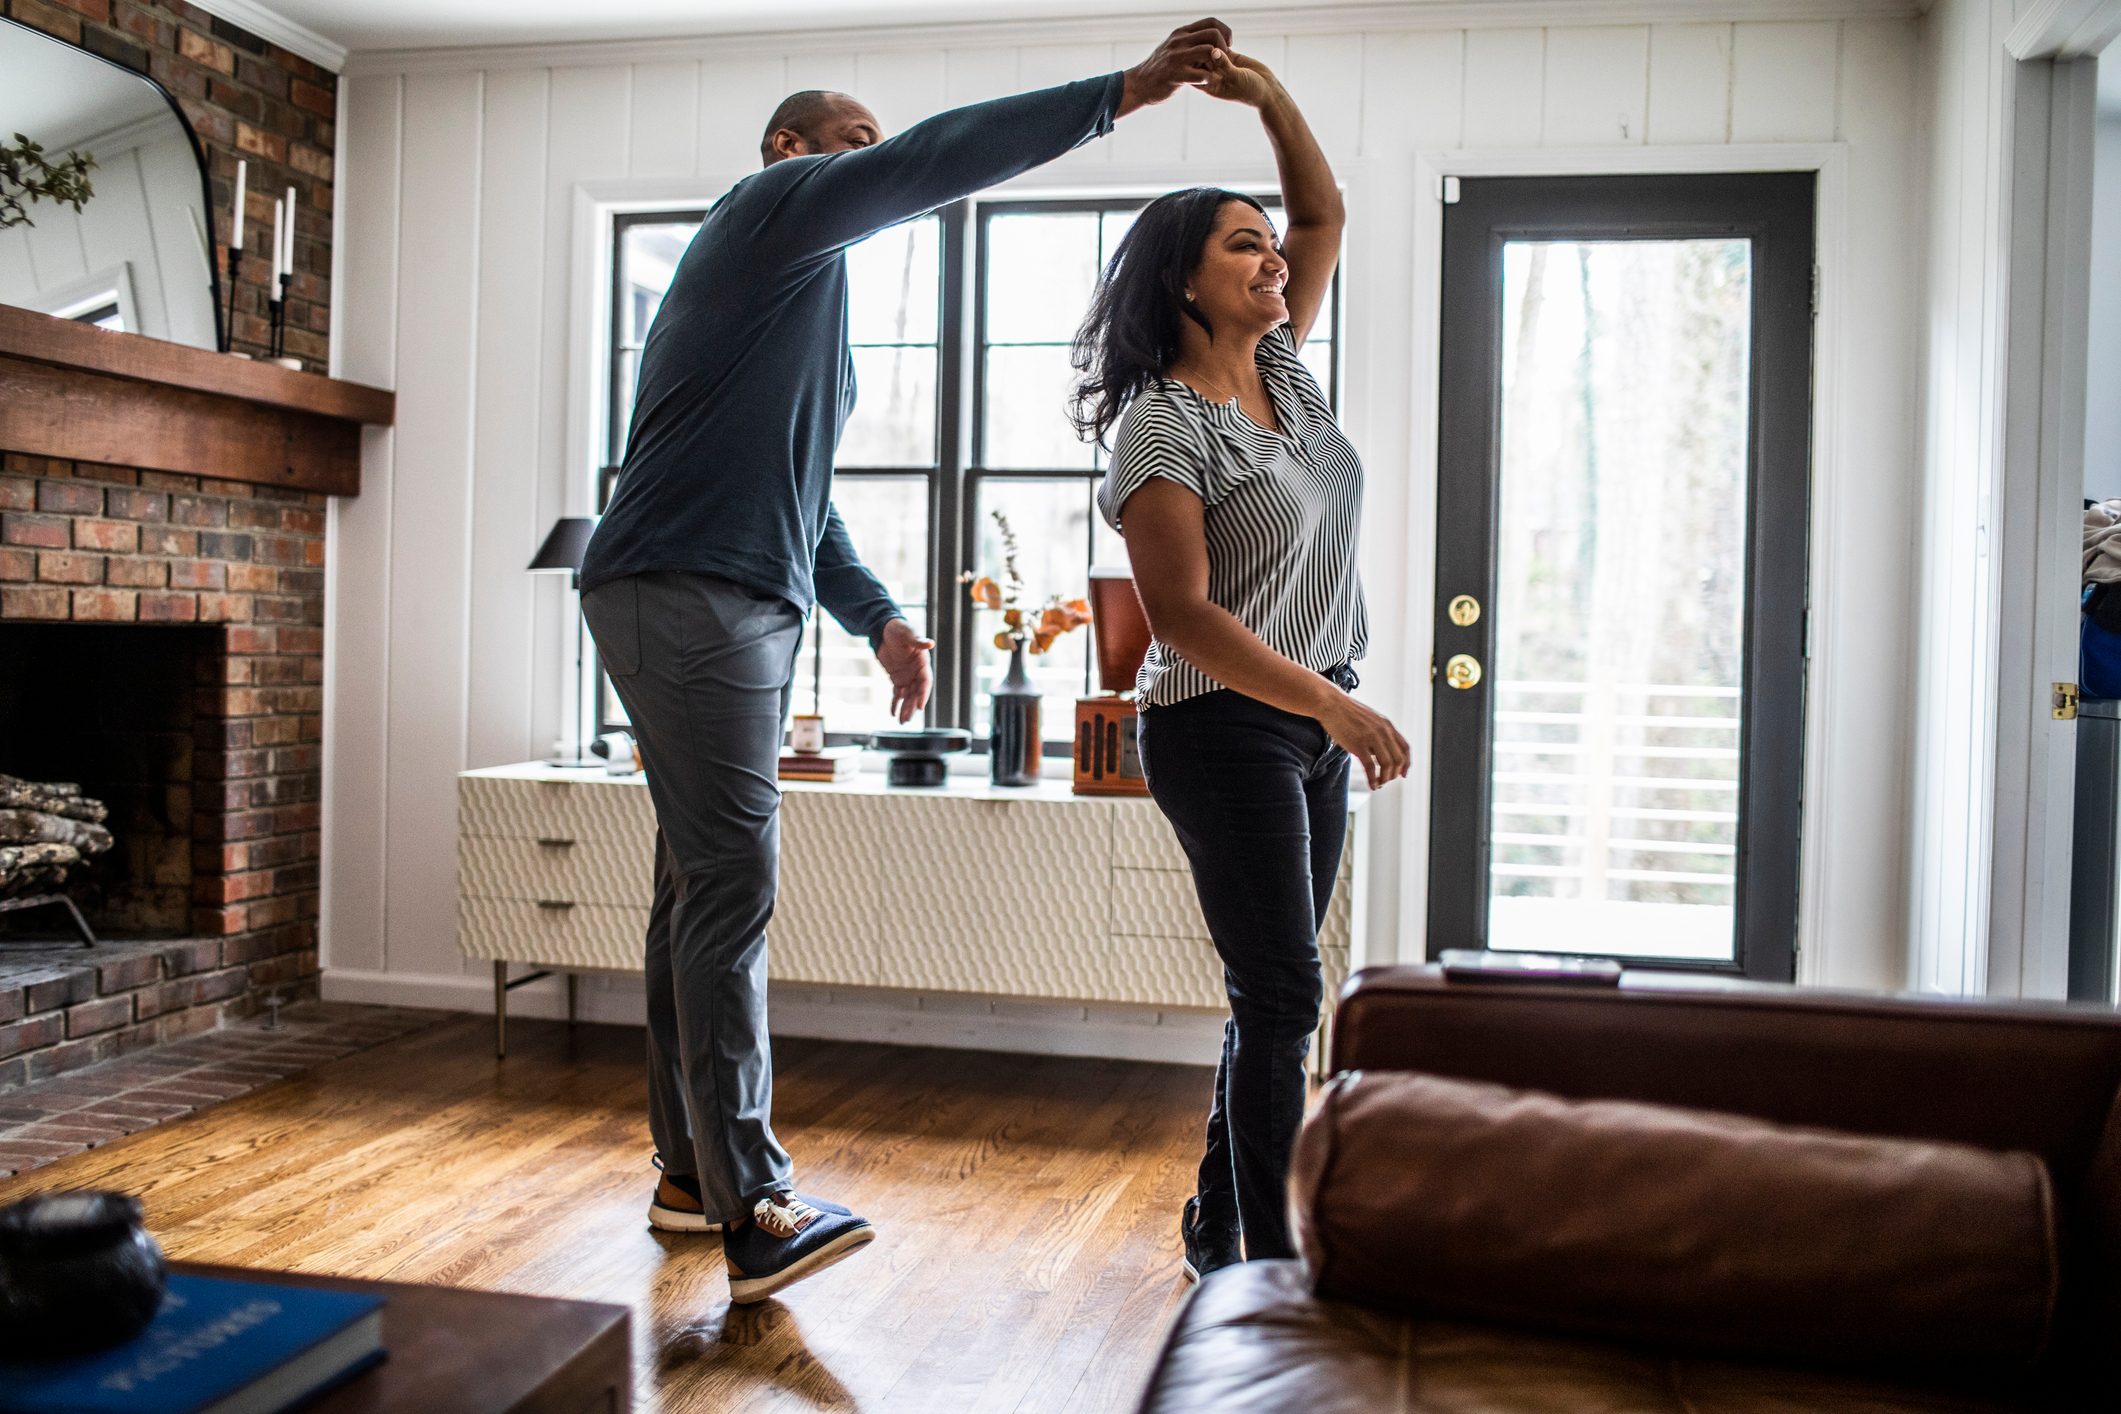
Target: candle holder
x=278, y=305
x=235, y=272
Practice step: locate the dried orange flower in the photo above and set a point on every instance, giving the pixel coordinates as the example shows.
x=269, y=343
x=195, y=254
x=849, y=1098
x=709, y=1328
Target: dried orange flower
x=1029, y=625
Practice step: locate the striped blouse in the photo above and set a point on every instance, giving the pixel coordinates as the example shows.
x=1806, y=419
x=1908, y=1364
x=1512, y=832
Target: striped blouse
x=1282, y=514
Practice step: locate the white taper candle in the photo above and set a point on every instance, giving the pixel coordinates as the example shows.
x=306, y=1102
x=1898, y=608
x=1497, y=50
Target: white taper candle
x=279, y=235
x=287, y=261
x=242, y=177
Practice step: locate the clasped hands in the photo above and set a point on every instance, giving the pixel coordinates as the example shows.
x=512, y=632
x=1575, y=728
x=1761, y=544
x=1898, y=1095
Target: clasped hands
x=1199, y=56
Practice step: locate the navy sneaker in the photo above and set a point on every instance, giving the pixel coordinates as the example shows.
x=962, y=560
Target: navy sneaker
x=677, y=1207
x=786, y=1241
x=1209, y=1248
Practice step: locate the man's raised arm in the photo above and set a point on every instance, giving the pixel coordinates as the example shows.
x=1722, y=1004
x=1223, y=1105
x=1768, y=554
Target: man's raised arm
x=837, y=199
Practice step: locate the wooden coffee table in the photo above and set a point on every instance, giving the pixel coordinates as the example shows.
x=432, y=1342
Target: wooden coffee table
x=477, y=1352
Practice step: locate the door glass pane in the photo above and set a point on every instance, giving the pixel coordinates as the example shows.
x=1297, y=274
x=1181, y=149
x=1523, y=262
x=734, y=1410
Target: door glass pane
x=1620, y=597
x=1052, y=521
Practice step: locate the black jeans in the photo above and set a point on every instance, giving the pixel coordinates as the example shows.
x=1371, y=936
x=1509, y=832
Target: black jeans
x=1259, y=798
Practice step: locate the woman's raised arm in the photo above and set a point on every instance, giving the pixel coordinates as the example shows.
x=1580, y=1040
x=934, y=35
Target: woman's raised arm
x=1311, y=245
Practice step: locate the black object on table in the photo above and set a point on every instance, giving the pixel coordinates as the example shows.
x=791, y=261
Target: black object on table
x=917, y=755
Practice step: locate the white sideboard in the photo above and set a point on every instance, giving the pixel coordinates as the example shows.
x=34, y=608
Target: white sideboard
x=968, y=887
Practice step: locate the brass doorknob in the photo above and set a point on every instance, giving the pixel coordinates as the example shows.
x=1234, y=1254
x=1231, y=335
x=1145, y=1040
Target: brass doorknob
x=1462, y=671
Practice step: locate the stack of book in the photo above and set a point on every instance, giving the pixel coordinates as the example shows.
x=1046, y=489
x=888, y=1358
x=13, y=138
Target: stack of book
x=834, y=763
x=215, y=1347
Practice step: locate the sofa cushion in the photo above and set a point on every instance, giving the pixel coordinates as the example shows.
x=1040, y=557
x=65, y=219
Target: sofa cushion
x=1254, y=1340
x=1677, y=1228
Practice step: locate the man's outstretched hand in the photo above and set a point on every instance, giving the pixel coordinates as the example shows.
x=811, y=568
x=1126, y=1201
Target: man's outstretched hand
x=904, y=655
x=1185, y=57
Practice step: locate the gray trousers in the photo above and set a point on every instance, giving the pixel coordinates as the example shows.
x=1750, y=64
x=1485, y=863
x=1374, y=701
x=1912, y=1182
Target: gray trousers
x=704, y=668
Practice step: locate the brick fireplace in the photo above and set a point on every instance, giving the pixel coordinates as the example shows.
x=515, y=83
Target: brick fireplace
x=113, y=582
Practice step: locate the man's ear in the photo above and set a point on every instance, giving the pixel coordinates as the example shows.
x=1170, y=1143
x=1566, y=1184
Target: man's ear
x=787, y=142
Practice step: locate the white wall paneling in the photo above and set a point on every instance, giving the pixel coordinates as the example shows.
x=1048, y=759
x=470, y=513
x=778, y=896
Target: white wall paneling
x=1690, y=82
x=1597, y=86
x=2052, y=172
x=430, y=524
x=1505, y=88
x=357, y=725
x=2102, y=365
x=483, y=306
x=1785, y=80
x=666, y=122
x=506, y=524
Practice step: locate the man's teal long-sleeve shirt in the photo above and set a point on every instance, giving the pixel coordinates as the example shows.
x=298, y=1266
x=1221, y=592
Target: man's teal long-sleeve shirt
x=746, y=379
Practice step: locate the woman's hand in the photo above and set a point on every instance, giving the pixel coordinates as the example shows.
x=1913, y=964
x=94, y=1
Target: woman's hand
x=1237, y=78
x=1367, y=736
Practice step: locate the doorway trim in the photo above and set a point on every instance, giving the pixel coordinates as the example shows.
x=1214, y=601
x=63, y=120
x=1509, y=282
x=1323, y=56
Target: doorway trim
x=1830, y=561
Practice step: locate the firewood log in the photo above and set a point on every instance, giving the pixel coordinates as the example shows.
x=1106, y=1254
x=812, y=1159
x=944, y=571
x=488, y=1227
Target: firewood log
x=35, y=826
x=52, y=798
x=25, y=868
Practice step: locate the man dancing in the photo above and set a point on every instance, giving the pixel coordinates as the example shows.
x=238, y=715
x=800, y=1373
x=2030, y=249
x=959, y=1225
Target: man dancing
x=720, y=535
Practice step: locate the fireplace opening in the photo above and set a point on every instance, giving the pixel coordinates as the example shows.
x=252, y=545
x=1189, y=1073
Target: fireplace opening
x=114, y=709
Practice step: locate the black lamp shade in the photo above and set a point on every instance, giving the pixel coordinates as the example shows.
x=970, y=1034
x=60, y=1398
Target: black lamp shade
x=564, y=545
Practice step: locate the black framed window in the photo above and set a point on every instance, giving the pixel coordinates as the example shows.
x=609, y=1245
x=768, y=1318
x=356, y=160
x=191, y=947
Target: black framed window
x=960, y=325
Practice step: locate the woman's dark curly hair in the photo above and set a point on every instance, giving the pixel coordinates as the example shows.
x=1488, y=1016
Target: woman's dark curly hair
x=1130, y=335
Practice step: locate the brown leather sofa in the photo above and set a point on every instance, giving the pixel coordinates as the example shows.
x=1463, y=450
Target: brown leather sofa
x=2008, y=1079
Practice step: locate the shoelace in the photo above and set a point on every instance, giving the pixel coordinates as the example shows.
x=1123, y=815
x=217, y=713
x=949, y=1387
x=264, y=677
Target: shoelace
x=783, y=1219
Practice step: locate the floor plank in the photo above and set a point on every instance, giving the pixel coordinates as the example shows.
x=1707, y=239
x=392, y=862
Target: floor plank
x=1027, y=1209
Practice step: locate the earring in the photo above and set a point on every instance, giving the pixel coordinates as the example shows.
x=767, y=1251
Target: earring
x=1189, y=297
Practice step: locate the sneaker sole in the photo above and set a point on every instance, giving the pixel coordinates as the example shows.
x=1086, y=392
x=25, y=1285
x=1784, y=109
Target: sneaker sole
x=664, y=1219
x=744, y=1290
x=1192, y=1272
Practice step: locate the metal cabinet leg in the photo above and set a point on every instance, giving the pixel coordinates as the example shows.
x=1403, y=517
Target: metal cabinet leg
x=500, y=1010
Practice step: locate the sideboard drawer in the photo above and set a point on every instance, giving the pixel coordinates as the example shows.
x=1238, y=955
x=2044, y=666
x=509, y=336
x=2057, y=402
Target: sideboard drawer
x=618, y=813
x=1156, y=903
x=580, y=935
x=589, y=869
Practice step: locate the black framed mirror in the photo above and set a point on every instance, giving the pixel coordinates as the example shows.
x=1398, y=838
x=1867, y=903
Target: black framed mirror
x=139, y=255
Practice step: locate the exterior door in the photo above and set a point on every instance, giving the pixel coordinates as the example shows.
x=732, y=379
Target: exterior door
x=1621, y=568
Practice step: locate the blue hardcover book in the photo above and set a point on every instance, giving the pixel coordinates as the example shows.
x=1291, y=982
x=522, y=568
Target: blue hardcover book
x=215, y=1347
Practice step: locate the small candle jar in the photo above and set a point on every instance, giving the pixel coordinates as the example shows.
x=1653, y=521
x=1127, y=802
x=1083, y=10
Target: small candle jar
x=806, y=735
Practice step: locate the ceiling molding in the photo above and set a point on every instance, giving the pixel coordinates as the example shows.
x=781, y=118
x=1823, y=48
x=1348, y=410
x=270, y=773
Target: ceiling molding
x=2064, y=30
x=277, y=29
x=1320, y=19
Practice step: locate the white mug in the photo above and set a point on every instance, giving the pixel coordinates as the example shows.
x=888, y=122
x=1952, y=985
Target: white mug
x=807, y=734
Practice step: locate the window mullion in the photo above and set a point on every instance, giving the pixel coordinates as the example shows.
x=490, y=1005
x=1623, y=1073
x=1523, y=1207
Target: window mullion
x=946, y=615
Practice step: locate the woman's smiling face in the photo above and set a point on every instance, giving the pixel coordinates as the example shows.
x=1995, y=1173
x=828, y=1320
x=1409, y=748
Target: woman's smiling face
x=1238, y=284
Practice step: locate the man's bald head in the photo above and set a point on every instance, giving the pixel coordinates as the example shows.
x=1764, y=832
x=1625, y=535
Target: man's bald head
x=817, y=120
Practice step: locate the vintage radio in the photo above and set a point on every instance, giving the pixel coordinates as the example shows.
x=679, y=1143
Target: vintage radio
x=1107, y=760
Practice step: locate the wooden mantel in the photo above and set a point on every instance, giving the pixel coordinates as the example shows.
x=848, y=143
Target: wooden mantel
x=86, y=394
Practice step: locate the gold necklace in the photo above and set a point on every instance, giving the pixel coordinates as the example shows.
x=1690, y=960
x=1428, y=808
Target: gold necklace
x=1233, y=396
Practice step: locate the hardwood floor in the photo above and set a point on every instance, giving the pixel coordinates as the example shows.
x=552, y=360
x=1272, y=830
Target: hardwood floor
x=1027, y=1209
